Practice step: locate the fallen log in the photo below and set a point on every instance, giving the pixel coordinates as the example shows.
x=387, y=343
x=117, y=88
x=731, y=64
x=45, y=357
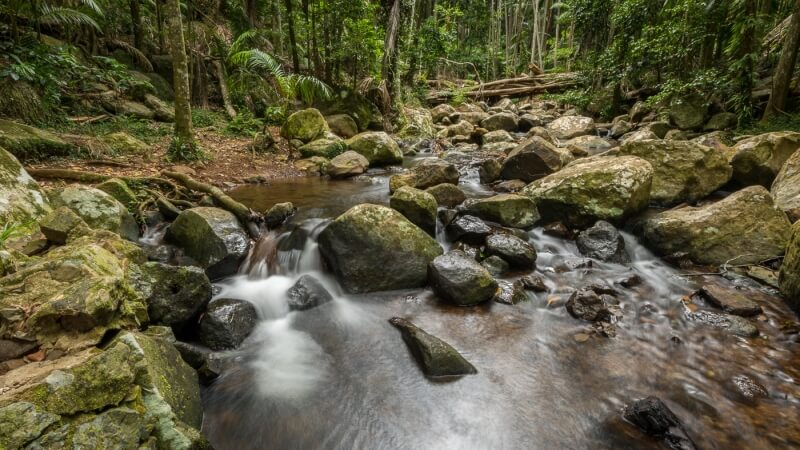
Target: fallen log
x=512, y=87
x=91, y=177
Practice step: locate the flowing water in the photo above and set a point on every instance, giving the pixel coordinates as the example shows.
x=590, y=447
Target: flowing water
x=340, y=377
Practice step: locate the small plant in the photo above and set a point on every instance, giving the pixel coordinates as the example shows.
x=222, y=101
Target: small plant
x=202, y=118
x=275, y=115
x=459, y=97
x=12, y=229
x=245, y=124
x=180, y=151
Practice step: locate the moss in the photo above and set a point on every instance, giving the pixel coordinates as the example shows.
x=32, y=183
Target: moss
x=125, y=144
x=328, y=147
x=789, y=279
x=120, y=191
x=306, y=125
x=28, y=143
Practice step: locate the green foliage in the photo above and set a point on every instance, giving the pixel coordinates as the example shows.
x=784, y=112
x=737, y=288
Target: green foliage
x=245, y=124
x=781, y=122
x=13, y=229
x=147, y=131
x=181, y=151
x=203, y=118
x=275, y=115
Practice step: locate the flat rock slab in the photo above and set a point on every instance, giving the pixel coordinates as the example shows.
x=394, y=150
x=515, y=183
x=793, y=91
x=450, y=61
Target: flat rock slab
x=732, y=301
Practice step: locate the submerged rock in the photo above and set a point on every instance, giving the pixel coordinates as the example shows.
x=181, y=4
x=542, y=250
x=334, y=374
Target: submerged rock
x=305, y=125
x=378, y=147
x=99, y=210
x=602, y=241
x=732, y=301
x=735, y=325
x=533, y=159
x=757, y=160
x=308, y=292
x=654, y=418
x=461, y=280
x=226, y=323
x=436, y=357
x=374, y=248
x=517, y=252
x=417, y=206
x=509, y=210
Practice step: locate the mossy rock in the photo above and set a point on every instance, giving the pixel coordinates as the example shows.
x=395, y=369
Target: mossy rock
x=305, y=125
x=510, y=210
x=119, y=190
x=125, y=144
x=98, y=209
x=378, y=147
x=366, y=115
x=786, y=187
x=418, y=125
x=326, y=147
x=29, y=143
x=757, y=160
x=20, y=100
x=418, y=206
x=789, y=278
x=342, y=125
x=21, y=199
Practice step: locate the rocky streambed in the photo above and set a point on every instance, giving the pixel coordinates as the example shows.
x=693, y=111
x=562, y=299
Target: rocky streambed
x=505, y=276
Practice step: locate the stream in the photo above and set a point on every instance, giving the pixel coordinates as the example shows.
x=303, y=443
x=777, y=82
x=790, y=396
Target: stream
x=339, y=376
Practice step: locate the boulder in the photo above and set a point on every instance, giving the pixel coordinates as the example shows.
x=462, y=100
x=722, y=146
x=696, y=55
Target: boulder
x=418, y=125
x=659, y=128
x=588, y=145
x=745, y=227
x=61, y=225
x=118, y=189
x=683, y=171
x=316, y=165
x=589, y=305
x=493, y=137
x=417, y=206
x=226, y=323
x=28, y=143
x=468, y=229
x=494, y=264
x=175, y=296
x=161, y=111
x=569, y=127
x=447, y=195
x=125, y=144
x=462, y=128
x=609, y=189
x=99, y=210
x=378, y=147
x=460, y=280
x=348, y=164
x=510, y=293
x=757, y=160
x=305, y=125
x=638, y=135
x=603, y=242
x=473, y=118
x=212, y=237
x=501, y=121
x=439, y=112
x=436, y=357
x=490, y=169
x=533, y=159
x=620, y=128
x=789, y=278
x=360, y=108
x=342, y=125
x=279, y=213
x=22, y=201
x=721, y=121
x=328, y=146
x=130, y=108
x=374, y=248
x=515, y=251
x=306, y=293
x=427, y=173
x=639, y=111
x=509, y=210
x=687, y=115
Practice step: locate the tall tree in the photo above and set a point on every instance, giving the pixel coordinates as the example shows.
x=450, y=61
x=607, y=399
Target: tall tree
x=292, y=37
x=785, y=68
x=184, y=134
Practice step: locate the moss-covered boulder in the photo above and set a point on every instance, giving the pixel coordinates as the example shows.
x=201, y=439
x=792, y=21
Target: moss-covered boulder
x=348, y=164
x=447, y=195
x=418, y=125
x=29, y=143
x=789, y=278
x=21, y=199
x=745, y=227
x=305, y=125
x=569, y=127
x=427, y=173
x=316, y=165
x=125, y=144
x=174, y=295
x=378, y=147
x=161, y=110
x=361, y=109
x=119, y=189
x=327, y=146
x=98, y=209
x=721, y=121
x=688, y=114
x=212, y=237
x=534, y=158
x=439, y=112
x=342, y=125
x=63, y=224
x=683, y=171
x=510, y=210
x=501, y=121
x=603, y=188
x=73, y=294
x=757, y=160
x=436, y=357
x=786, y=187
x=418, y=206
x=374, y=248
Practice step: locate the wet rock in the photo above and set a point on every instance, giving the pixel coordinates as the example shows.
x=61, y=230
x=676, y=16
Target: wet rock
x=732, y=301
x=213, y=238
x=494, y=264
x=447, y=195
x=501, y=121
x=489, y=170
x=342, y=125
x=417, y=206
x=208, y=364
x=735, y=325
x=517, y=252
x=683, y=171
x=226, y=323
x=305, y=125
x=748, y=388
x=460, y=280
x=446, y=216
x=569, y=127
x=175, y=295
x=533, y=283
x=757, y=160
x=307, y=293
x=786, y=187
x=61, y=225
x=428, y=173
x=469, y=229
x=789, y=277
x=436, y=357
x=279, y=213
x=374, y=248
x=99, y=210
x=721, y=121
x=378, y=147
x=630, y=281
x=509, y=210
x=744, y=227
x=609, y=189
x=347, y=164
x=588, y=305
x=510, y=293
x=603, y=242
x=533, y=159
x=328, y=145
x=654, y=418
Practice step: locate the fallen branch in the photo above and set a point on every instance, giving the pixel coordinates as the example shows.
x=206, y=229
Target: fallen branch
x=91, y=177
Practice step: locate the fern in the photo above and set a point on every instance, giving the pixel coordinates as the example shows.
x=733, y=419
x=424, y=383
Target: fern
x=270, y=70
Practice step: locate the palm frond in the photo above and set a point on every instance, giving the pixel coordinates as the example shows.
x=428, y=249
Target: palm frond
x=66, y=16
x=92, y=5
x=309, y=88
x=140, y=58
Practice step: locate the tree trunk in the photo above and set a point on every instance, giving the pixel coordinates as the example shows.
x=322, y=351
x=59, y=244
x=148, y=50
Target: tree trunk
x=160, y=25
x=785, y=68
x=180, y=68
x=390, y=45
x=136, y=20
x=292, y=37
x=223, y=89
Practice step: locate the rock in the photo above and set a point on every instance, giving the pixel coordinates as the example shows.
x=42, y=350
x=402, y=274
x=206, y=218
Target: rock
x=603, y=242
x=732, y=301
x=490, y=170
x=509, y=210
x=748, y=388
x=493, y=137
x=316, y=165
x=654, y=418
x=639, y=111
x=683, y=171
x=377, y=147
x=460, y=280
x=361, y=109
x=517, y=252
x=722, y=121
x=436, y=357
x=676, y=135
x=22, y=201
x=447, y=195
x=439, y=112
x=609, y=189
x=533, y=159
x=660, y=129
x=307, y=293
x=175, y=295
x=588, y=145
x=347, y=164
x=417, y=206
x=757, y=160
x=588, y=305
x=21, y=423
x=28, y=143
x=130, y=108
x=687, y=115
x=342, y=125
x=161, y=111
x=213, y=237
x=744, y=227
x=125, y=144
x=120, y=191
x=789, y=278
x=637, y=136
x=167, y=208
x=569, y=127
x=462, y=128
x=368, y=242
x=469, y=229
x=738, y=326
x=61, y=225
x=305, y=125
x=428, y=173
x=279, y=213
x=418, y=125
x=786, y=187
x=509, y=186
x=501, y=121
x=99, y=210
x=328, y=146
x=620, y=128
x=510, y=293
x=494, y=264
x=533, y=283
x=226, y=323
